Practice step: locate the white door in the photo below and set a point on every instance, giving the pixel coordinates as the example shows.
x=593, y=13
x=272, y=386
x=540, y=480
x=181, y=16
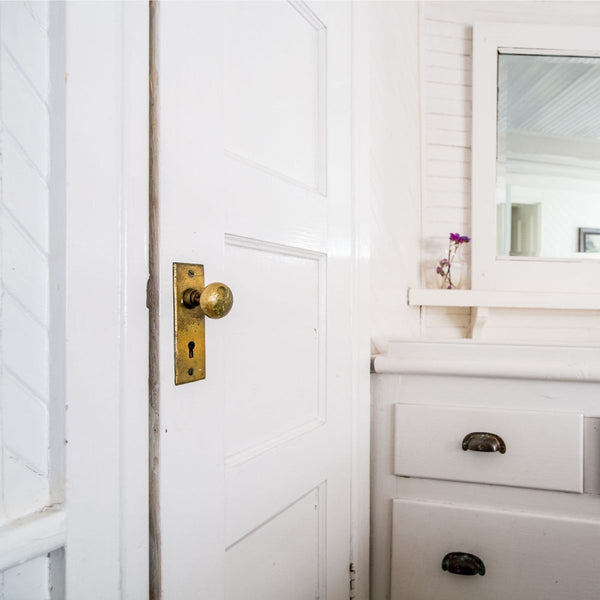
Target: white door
x=254, y=462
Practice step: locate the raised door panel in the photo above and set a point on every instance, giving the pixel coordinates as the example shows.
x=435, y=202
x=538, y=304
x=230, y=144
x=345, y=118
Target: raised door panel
x=275, y=338
x=289, y=547
x=275, y=89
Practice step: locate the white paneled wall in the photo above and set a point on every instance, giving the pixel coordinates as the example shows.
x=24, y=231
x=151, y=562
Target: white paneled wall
x=445, y=71
x=446, y=103
x=24, y=255
x=24, y=284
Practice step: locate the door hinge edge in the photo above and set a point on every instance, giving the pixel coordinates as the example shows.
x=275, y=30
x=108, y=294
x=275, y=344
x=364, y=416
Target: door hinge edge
x=352, y=581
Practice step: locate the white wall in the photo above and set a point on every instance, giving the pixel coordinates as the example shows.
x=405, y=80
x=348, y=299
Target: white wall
x=421, y=164
x=25, y=321
x=395, y=168
x=28, y=581
x=24, y=233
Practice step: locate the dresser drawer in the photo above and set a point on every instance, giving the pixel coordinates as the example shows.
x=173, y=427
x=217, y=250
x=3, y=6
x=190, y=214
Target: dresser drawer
x=525, y=556
x=534, y=449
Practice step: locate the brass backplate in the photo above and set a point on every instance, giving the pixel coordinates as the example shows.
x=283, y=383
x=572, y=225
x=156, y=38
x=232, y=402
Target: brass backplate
x=190, y=347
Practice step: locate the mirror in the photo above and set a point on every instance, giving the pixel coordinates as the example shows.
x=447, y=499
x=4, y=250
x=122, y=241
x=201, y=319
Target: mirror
x=548, y=156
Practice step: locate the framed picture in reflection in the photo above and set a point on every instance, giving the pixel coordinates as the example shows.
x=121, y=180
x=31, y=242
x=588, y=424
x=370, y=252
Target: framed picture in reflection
x=589, y=240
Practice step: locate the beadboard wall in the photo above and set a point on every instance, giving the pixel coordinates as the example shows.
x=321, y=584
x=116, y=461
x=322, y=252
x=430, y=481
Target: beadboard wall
x=24, y=285
x=427, y=192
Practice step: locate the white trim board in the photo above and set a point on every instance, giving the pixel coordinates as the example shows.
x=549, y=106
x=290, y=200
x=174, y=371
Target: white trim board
x=480, y=359
x=106, y=320
x=31, y=536
x=362, y=31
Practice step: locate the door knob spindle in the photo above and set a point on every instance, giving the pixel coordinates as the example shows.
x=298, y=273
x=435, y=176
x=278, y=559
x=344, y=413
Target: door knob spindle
x=215, y=300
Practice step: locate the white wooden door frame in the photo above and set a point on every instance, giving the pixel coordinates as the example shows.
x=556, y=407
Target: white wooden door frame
x=106, y=322
x=98, y=264
x=105, y=217
x=361, y=194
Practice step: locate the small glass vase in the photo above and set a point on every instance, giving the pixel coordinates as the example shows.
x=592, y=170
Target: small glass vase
x=457, y=279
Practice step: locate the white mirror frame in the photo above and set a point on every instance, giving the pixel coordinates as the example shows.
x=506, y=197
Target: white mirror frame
x=529, y=274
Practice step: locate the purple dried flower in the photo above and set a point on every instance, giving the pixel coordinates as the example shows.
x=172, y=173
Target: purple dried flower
x=459, y=239
x=444, y=266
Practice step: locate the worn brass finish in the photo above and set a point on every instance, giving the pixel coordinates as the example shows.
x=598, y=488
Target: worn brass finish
x=191, y=303
x=190, y=360
x=216, y=300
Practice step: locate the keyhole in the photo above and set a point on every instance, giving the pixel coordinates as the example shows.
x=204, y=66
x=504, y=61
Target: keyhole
x=191, y=347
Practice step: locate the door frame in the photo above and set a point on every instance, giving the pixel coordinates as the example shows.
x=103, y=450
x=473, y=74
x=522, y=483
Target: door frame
x=105, y=215
x=361, y=43
x=103, y=212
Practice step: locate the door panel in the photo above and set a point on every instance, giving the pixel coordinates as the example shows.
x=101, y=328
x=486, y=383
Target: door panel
x=290, y=547
x=277, y=127
x=269, y=396
x=254, y=182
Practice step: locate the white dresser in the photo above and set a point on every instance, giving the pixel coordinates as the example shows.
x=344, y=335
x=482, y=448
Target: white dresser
x=486, y=472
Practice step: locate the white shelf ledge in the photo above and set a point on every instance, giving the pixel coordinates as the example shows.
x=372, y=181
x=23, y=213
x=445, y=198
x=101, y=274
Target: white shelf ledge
x=483, y=299
x=480, y=302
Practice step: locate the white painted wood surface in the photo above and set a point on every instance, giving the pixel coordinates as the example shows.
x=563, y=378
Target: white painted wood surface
x=484, y=314
x=27, y=581
x=504, y=299
x=544, y=450
x=362, y=37
x=31, y=536
x=482, y=359
x=505, y=377
x=74, y=329
x=269, y=430
x=104, y=227
x=29, y=456
x=525, y=555
x=24, y=287
x=394, y=164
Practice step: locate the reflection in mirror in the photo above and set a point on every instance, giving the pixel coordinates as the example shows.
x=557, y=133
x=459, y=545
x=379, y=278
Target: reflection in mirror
x=548, y=156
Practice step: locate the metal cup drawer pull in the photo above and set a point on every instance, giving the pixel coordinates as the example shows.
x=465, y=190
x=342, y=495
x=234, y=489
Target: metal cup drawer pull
x=480, y=441
x=463, y=563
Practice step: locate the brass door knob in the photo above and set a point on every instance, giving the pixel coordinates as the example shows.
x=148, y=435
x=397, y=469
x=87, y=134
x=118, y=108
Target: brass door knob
x=215, y=300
